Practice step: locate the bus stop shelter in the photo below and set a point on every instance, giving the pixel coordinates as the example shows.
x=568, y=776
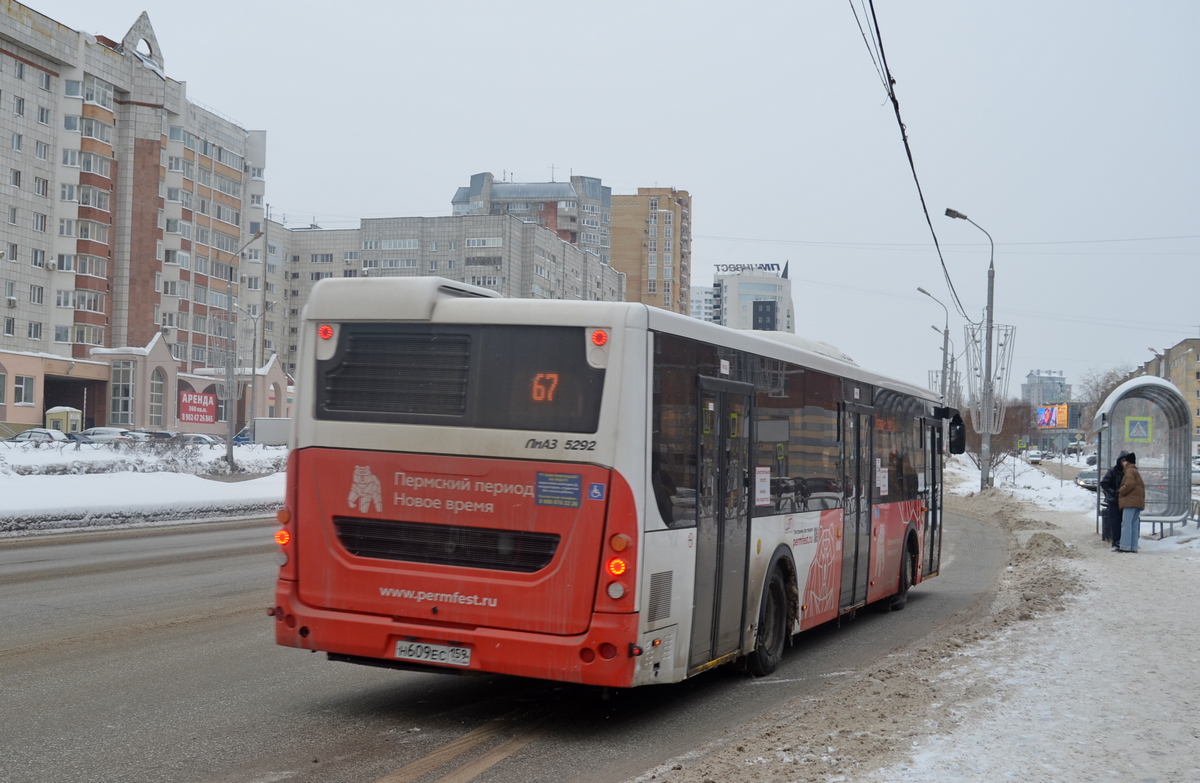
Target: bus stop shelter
x=1150, y=417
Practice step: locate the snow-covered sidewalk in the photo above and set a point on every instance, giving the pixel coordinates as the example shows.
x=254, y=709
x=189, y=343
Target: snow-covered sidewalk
x=1084, y=669
x=1107, y=690
x=52, y=489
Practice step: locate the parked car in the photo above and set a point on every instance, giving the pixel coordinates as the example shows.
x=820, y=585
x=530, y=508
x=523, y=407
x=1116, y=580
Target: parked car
x=133, y=436
x=243, y=437
x=197, y=439
x=39, y=435
x=1034, y=457
x=79, y=437
x=106, y=434
x=1091, y=459
x=1088, y=479
x=157, y=434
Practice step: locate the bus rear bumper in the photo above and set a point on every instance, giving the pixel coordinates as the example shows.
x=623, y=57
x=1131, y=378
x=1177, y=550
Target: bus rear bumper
x=604, y=655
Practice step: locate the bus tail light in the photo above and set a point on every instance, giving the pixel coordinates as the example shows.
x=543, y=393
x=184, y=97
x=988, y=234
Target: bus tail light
x=618, y=555
x=285, y=537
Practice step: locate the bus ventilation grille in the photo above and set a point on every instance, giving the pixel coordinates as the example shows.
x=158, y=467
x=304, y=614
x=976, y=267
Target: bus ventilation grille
x=468, y=547
x=660, y=595
x=386, y=372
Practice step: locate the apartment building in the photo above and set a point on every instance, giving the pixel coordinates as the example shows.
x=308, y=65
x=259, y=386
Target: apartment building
x=753, y=296
x=579, y=211
x=652, y=245
x=127, y=205
x=506, y=253
x=1180, y=364
x=1045, y=386
x=702, y=303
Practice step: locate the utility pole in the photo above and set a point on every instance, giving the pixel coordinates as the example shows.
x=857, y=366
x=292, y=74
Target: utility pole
x=988, y=416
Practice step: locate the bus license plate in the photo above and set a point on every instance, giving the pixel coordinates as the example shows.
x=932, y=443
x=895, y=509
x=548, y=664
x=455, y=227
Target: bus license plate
x=433, y=653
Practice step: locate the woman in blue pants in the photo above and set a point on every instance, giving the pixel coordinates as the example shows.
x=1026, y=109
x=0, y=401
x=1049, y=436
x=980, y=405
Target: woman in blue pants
x=1132, y=499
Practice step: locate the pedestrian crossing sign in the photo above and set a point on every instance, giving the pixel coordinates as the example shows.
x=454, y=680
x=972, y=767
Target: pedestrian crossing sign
x=1139, y=429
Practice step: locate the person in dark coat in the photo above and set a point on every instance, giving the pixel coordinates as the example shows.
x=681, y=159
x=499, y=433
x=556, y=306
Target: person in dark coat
x=1132, y=499
x=1109, y=485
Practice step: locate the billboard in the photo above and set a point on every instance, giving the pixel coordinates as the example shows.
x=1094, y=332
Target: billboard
x=1052, y=417
x=197, y=408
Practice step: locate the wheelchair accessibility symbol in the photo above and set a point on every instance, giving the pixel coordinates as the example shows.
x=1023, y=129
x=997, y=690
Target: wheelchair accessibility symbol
x=596, y=492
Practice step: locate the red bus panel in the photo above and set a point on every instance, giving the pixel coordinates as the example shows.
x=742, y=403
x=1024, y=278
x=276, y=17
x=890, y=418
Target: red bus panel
x=450, y=541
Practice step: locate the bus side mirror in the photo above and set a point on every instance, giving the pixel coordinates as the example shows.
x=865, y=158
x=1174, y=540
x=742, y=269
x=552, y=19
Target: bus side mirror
x=957, y=435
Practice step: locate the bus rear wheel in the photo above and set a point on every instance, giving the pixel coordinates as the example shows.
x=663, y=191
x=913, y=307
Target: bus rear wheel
x=907, y=569
x=772, y=628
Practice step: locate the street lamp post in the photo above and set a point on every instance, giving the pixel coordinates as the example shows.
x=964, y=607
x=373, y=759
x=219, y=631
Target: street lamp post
x=988, y=403
x=230, y=382
x=253, y=362
x=945, y=344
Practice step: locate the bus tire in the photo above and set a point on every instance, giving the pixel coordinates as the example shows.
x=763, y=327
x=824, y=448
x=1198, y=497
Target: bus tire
x=907, y=569
x=772, y=628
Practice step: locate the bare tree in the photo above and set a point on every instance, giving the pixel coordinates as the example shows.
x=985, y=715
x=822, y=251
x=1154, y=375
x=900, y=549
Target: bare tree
x=1018, y=423
x=1096, y=385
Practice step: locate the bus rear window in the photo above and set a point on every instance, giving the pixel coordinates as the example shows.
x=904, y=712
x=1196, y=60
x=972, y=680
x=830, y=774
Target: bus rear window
x=498, y=377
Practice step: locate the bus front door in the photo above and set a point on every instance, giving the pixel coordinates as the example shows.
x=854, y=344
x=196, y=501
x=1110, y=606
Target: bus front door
x=722, y=524
x=858, y=473
x=933, y=501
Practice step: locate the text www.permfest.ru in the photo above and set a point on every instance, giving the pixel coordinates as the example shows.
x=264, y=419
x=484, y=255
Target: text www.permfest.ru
x=444, y=598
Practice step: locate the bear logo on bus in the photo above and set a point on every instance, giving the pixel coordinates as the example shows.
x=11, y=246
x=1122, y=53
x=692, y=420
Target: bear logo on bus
x=366, y=490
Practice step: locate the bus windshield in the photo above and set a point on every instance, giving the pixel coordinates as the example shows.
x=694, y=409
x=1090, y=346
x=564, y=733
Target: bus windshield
x=462, y=375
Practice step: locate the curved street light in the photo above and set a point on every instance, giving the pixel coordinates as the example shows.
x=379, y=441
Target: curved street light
x=987, y=405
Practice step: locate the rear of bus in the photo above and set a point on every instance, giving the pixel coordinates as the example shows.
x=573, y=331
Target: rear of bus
x=452, y=502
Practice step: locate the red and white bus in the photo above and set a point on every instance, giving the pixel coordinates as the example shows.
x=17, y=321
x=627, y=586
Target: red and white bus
x=591, y=492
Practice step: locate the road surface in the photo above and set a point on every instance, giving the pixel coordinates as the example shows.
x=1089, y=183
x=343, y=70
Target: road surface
x=148, y=656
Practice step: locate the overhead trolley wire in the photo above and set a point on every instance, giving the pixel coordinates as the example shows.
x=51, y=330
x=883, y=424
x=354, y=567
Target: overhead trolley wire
x=889, y=84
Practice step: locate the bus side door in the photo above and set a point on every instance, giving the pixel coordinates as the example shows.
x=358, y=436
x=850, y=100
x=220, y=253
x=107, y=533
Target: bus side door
x=722, y=525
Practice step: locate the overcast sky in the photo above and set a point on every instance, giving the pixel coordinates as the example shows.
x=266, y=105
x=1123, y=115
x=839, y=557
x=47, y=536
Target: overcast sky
x=1067, y=130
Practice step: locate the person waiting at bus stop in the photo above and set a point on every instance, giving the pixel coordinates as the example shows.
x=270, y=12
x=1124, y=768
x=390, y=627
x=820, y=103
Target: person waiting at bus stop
x=1110, y=485
x=1132, y=501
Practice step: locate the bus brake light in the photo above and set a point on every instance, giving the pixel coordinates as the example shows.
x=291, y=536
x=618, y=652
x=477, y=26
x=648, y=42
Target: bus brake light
x=325, y=332
x=599, y=337
x=282, y=537
x=617, y=566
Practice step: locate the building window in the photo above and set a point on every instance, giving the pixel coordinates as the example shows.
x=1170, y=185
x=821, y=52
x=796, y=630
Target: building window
x=19, y=108
x=4, y=380
x=43, y=115
x=73, y=89
x=43, y=80
x=37, y=293
x=35, y=330
x=15, y=178
x=157, y=386
x=43, y=151
x=17, y=141
x=23, y=388
x=10, y=326
x=121, y=409
x=652, y=287
x=12, y=215
x=62, y=334
x=41, y=186
x=39, y=222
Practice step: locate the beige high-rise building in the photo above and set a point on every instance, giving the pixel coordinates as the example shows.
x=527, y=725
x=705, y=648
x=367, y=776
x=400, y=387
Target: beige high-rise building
x=127, y=205
x=652, y=245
